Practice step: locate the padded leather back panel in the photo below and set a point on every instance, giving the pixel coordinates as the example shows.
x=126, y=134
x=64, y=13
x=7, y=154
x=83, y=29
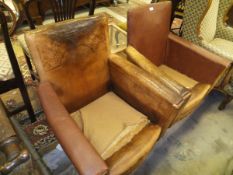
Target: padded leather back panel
x=148, y=28
x=72, y=56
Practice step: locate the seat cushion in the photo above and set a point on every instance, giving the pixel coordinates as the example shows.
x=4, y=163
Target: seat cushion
x=109, y=123
x=225, y=46
x=6, y=72
x=178, y=77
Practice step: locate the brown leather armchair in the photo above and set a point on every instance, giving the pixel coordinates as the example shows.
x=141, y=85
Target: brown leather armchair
x=153, y=48
x=98, y=104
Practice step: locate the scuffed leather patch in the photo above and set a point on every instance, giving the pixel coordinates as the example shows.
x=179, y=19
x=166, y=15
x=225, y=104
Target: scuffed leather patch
x=66, y=44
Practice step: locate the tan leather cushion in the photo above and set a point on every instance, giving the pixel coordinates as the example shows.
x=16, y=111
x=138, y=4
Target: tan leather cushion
x=178, y=77
x=109, y=123
x=129, y=157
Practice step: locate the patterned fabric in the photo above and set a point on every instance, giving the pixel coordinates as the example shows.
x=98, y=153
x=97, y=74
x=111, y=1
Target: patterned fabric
x=208, y=24
x=194, y=10
x=41, y=135
x=5, y=65
x=222, y=43
x=224, y=31
x=220, y=46
x=6, y=71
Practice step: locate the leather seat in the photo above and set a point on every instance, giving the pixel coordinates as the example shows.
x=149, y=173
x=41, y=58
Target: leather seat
x=153, y=48
x=106, y=112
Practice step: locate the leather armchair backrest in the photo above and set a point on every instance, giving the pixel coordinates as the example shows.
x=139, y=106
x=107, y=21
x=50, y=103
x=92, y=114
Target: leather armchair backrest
x=148, y=28
x=72, y=56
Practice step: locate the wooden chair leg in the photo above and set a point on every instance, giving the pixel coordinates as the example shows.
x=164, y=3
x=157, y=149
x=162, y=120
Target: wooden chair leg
x=28, y=16
x=92, y=7
x=27, y=102
x=226, y=101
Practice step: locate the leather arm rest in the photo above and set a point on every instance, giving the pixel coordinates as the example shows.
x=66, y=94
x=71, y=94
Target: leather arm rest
x=194, y=61
x=144, y=92
x=83, y=156
x=138, y=59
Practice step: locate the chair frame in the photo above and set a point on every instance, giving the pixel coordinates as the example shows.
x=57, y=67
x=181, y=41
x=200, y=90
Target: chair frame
x=57, y=18
x=55, y=8
x=17, y=81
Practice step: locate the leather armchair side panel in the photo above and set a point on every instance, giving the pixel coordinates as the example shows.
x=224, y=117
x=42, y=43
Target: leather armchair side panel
x=194, y=61
x=82, y=154
x=144, y=92
x=68, y=59
x=149, y=34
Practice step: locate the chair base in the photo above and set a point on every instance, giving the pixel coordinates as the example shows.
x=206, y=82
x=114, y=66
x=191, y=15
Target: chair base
x=226, y=101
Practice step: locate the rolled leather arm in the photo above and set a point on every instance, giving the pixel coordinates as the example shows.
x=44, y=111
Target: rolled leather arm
x=145, y=92
x=194, y=61
x=82, y=154
x=138, y=59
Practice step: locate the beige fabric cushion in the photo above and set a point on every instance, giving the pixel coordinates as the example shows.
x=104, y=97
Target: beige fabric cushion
x=109, y=123
x=178, y=77
x=224, y=45
x=209, y=23
x=6, y=71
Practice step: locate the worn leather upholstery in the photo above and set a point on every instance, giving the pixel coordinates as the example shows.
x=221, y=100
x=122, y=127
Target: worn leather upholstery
x=187, y=65
x=76, y=70
x=68, y=59
x=140, y=35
